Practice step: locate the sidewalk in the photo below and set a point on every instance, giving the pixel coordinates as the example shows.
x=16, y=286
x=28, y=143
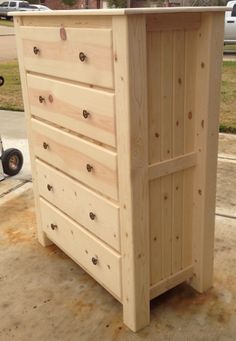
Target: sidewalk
x=7, y=43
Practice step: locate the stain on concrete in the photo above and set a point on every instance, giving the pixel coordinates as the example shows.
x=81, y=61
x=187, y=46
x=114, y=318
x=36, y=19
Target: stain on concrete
x=46, y=296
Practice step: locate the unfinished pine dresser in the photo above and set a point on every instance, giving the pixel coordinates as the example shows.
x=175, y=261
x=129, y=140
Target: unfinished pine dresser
x=122, y=109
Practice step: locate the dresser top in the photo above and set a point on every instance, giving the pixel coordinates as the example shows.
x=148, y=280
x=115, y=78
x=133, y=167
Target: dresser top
x=123, y=11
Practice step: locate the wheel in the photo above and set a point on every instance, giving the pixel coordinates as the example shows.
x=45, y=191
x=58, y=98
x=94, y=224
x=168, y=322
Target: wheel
x=12, y=161
x=1, y=80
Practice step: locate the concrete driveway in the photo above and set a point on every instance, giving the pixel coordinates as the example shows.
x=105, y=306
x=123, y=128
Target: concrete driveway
x=7, y=43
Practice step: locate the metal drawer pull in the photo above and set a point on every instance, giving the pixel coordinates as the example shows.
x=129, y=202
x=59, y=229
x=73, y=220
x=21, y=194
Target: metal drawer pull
x=89, y=167
x=41, y=99
x=82, y=56
x=45, y=145
x=53, y=226
x=49, y=187
x=36, y=50
x=94, y=261
x=92, y=216
x=86, y=113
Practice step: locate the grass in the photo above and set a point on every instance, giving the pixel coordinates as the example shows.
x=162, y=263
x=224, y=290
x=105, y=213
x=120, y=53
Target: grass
x=10, y=92
x=229, y=48
x=4, y=22
x=228, y=98
x=11, y=98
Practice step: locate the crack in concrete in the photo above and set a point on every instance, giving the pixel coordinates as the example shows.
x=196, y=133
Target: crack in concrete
x=14, y=188
x=225, y=215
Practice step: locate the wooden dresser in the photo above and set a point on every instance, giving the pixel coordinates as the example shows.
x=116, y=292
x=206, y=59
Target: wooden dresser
x=122, y=109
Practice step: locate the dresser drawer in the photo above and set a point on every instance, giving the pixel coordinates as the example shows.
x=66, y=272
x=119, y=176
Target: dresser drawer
x=79, y=54
x=94, y=212
x=95, y=257
x=91, y=164
x=84, y=110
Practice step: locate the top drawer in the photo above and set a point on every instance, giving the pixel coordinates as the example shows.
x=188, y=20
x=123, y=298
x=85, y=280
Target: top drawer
x=78, y=54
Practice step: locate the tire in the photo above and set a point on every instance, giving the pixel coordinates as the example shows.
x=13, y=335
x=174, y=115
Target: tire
x=12, y=161
x=1, y=80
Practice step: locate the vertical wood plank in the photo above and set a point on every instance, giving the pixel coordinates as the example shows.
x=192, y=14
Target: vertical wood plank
x=154, y=95
x=178, y=145
x=166, y=223
x=207, y=100
x=189, y=127
x=41, y=235
x=166, y=94
x=129, y=37
x=156, y=232
x=154, y=134
x=166, y=146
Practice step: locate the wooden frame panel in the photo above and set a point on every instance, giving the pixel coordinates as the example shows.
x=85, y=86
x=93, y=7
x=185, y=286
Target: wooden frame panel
x=129, y=35
x=207, y=101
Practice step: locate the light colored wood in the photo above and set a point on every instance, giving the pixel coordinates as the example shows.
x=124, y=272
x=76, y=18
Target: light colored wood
x=68, y=21
x=156, y=232
x=154, y=95
x=166, y=147
x=64, y=104
x=41, y=235
x=72, y=154
x=178, y=145
x=78, y=202
x=174, y=165
x=60, y=58
x=171, y=281
x=207, y=100
x=154, y=146
x=189, y=132
x=82, y=247
x=129, y=36
x=122, y=12
x=153, y=85
x=173, y=21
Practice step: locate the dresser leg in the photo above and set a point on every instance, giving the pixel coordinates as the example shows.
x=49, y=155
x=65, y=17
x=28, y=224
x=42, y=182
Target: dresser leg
x=43, y=239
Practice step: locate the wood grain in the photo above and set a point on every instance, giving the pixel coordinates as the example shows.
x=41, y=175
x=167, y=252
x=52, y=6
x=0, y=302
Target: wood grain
x=64, y=104
x=82, y=247
x=60, y=58
x=79, y=202
x=72, y=154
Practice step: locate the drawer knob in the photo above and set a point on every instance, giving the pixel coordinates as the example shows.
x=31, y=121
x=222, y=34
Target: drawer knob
x=89, y=167
x=53, y=227
x=50, y=98
x=86, y=113
x=45, y=145
x=92, y=216
x=36, y=50
x=63, y=33
x=49, y=187
x=94, y=260
x=41, y=99
x=82, y=56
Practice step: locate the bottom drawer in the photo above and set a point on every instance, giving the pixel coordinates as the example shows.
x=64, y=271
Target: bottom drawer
x=96, y=258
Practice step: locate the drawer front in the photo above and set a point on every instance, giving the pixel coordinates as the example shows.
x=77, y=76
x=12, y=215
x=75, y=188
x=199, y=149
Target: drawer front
x=95, y=213
x=95, y=257
x=60, y=52
x=84, y=110
x=85, y=161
